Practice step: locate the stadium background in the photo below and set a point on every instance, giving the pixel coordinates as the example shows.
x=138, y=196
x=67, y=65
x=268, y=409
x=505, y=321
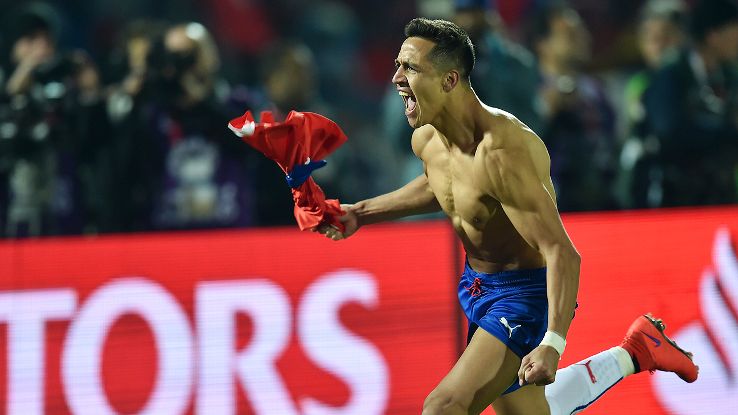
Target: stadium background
x=121, y=315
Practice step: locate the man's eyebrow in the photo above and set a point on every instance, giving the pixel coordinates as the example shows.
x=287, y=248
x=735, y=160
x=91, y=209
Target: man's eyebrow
x=406, y=62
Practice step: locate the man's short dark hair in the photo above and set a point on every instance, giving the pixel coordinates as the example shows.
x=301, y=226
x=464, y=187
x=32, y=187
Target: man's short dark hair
x=453, y=48
x=710, y=15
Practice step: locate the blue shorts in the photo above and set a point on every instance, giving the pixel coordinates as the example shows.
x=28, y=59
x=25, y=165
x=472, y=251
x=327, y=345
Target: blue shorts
x=510, y=305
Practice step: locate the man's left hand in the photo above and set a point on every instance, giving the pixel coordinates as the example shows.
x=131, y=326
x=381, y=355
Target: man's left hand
x=539, y=366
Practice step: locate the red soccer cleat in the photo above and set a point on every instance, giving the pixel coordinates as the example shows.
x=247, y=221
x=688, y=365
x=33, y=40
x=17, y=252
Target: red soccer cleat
x=647, y=343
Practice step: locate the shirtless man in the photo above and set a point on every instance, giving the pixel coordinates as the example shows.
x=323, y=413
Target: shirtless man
x=490, y=174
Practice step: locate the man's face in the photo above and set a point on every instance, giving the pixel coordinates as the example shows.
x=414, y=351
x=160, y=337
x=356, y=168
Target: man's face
x=725, y=42
x=36, y=48
x=292, y=82
x=656, y=37
x=418, y=81
x=181, y=52
x=568, y=42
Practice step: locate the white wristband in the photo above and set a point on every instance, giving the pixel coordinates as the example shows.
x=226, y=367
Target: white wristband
x=553, y=339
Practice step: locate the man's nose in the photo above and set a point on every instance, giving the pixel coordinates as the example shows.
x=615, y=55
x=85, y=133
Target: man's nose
x=399, y=76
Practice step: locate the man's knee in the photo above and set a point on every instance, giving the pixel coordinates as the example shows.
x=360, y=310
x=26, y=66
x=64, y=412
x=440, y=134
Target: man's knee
x=443, y=402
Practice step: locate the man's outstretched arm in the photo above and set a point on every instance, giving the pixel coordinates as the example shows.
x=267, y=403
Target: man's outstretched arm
x=414, y=198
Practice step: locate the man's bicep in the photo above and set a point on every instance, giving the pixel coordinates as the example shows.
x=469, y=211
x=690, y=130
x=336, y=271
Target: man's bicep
x=536, y=218
x=528, y=203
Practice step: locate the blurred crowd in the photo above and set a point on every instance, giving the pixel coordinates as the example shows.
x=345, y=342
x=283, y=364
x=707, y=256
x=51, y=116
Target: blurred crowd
x=125, y=130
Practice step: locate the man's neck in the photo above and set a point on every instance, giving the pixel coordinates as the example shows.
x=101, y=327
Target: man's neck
x=460, y=121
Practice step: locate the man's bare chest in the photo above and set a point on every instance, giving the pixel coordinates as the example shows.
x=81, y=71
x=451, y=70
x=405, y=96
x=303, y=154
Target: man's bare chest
x=455, y=186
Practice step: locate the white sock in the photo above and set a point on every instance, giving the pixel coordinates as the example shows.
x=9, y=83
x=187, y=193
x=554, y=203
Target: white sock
x=624, y=360
x=579, y=385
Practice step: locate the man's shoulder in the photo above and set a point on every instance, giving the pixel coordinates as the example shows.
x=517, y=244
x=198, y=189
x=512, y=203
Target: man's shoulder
x=421, y=137
x=508, y=144
x=504, y=131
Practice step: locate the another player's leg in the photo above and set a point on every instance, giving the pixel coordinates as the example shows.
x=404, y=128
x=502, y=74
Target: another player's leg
x=484, y=371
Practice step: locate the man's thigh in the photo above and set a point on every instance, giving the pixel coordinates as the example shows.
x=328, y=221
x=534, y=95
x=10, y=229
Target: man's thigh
x=485, y=370
x=528, y=400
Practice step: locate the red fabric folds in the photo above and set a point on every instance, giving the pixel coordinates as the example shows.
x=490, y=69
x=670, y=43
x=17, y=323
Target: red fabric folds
x=301, y=138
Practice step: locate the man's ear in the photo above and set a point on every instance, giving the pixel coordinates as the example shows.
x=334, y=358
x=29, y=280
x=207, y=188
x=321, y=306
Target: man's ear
x=450, y=80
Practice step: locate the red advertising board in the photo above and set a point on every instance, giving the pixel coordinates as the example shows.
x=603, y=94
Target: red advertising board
x=670, y=263
x=267, y=322
x=282, y=322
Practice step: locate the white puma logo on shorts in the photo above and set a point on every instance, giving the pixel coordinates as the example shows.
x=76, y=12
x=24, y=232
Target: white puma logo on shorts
x=504, y=322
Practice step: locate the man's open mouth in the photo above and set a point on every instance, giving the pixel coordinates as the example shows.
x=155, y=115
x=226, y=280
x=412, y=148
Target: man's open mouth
x=410, y=102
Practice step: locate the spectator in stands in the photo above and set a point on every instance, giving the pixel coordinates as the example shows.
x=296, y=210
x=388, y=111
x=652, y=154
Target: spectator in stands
x=53, y=116
x=289, y=81
x=331, y=29
x=692, y=107
x=128, y=63
x=505, y=73
x=661, y=35
x=579, y=121
x=190, y=174
x=130, y=169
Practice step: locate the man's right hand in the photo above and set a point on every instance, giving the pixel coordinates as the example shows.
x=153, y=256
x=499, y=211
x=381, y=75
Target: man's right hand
x=350, y=222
